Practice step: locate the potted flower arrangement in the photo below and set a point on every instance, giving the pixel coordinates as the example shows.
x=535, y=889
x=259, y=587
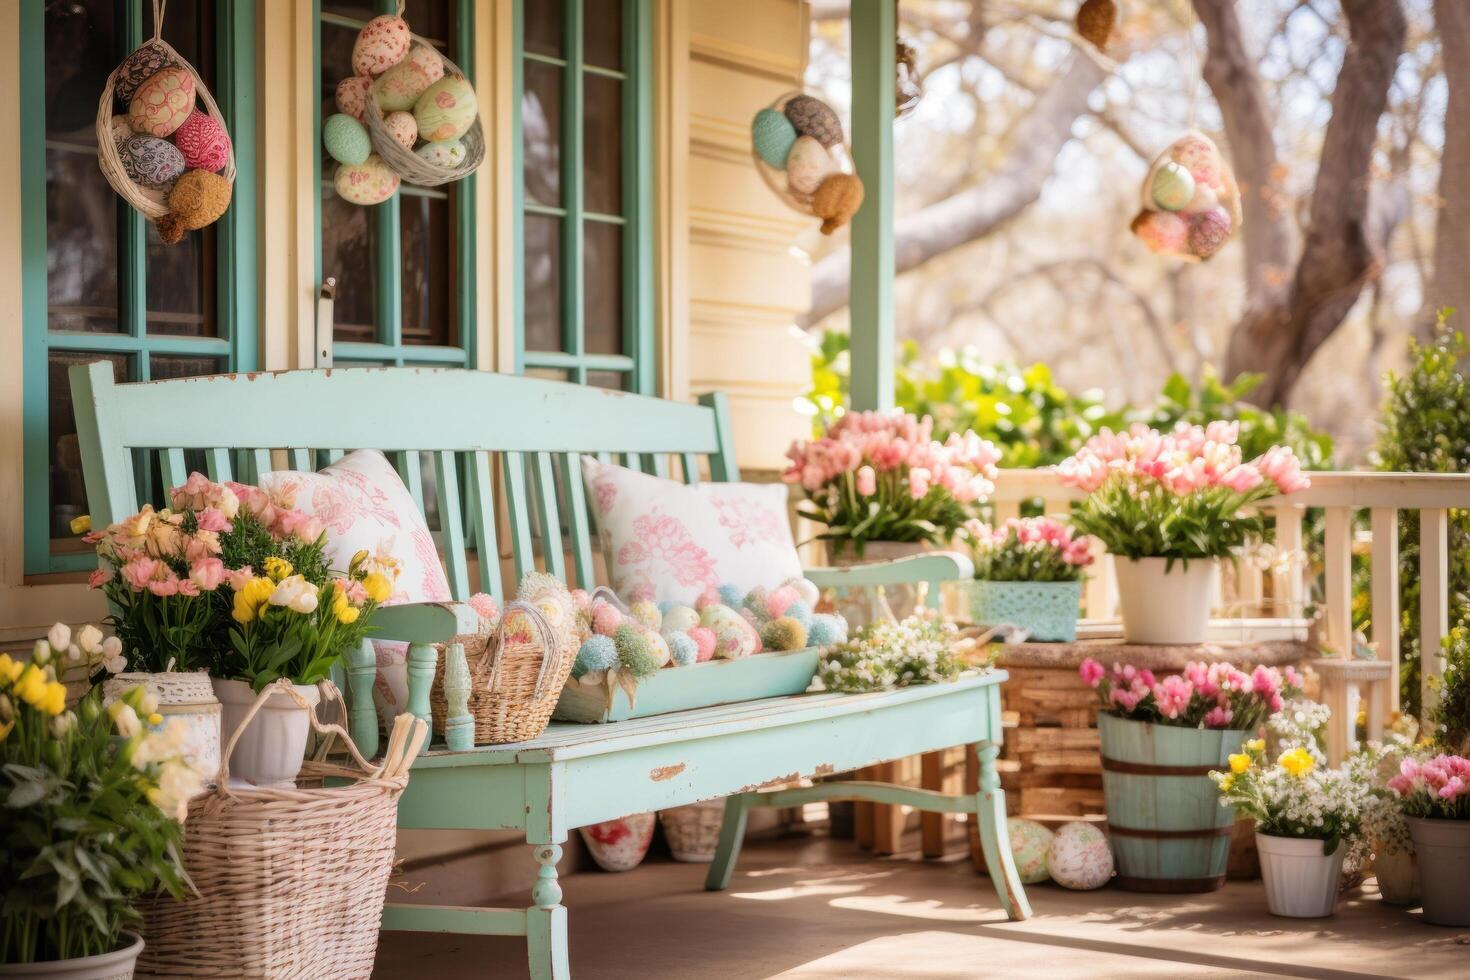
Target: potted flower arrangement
x=1435, y=796
x=1161, y=738
x=1306, y=816
x=1166, y=506
x=1028, y=573
x=93, y=798
x=1385, y=829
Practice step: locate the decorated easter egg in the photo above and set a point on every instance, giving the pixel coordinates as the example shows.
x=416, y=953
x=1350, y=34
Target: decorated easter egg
x=1198, y=154
x=1204, y=199
x=734, y=637
x=814, y=118
x=771, y=134
x=399, y=87
x=203, y=142
x=646, y=613
x=346, y=139
x=678, y=617
x=369, y=182
x=162, y=102
x=121, y=131
x=619, y=845
x=806, y=589
x=1164, y=232
x=151, y=161
x=1172, y=187
x=659, y=647
x=1209, y=231
x=430, y=62
x=443, y=153
x=381, y=44
x=807, y=165
x=401, y=126
x=1029, y=843
x=352, y=95
x=137, y=68
x=446, y=110
x=1079, y=857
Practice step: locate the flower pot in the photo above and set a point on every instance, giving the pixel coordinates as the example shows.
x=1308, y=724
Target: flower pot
x=693, y=831
x=861, y=606
x=1397, y=872
x=1443, y=849
x=619, y=845
x=116, y=965
x=1301, y=881
x=1165, y=605
x=184, y=696
x=1047, y=611
x=1168, y=829
x=271, y=749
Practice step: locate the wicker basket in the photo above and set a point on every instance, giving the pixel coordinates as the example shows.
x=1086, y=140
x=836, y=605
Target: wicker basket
x=693, y=831
x=151, y=202
x=288, y=882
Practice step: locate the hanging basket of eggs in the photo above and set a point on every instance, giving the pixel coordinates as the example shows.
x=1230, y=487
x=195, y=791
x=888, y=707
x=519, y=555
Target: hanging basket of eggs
x=799, y=150
x=1191, y=203
x=163, y=153
x=407, y=113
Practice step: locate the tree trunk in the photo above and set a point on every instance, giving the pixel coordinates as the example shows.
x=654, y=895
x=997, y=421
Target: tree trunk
x=1450, y=286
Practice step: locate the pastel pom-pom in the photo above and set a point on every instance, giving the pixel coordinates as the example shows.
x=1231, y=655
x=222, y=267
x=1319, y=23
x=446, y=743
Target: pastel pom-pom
x=596, y=653
x=827, y=629
x=780, y=599
x=783, y=633
x=634, y=653
x=801, y=612
x=581, y=600
x=755, y=603
x=731, y=595
x=606, y=618
x=704, y=642
x=771, y=134
x=683, y=648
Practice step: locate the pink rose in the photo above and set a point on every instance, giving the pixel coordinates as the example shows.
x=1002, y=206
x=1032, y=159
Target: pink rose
x=165, y=587
x=1091, y=672
x=207, y=573
x=211, y=519
x=139, y=572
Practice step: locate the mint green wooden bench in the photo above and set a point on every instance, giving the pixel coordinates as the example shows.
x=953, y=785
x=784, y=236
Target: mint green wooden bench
x=470, y=426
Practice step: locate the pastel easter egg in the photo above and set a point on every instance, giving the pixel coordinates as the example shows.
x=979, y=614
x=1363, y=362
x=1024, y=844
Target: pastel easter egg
x=151, y=161
x=805, y=588
x=381, y=44
x=1205, y=199
x=203, y=142
x=1163, y=232
x=1198, y=154
x=1079, y=857
x=808, y=165
x=813, y=117
x=679, y=618
x=137, y=68
x=734, y=637
x=1029, y=844
x=346, y=139
x=443, y=153
x=619, y=845
x=1209, y=231
x=162, y=103
x=1172, y=187
x=398, y=88
x=771, y=134
x=646, y=613
x=352, y=95
x=446, y=110
x=430, y=62
x=369, y=182
x=401, y=127
x=658, y=646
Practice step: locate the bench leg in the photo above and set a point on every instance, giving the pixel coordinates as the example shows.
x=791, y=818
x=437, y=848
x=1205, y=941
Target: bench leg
x=546, y=920
x=995, y=840
x=732, y=835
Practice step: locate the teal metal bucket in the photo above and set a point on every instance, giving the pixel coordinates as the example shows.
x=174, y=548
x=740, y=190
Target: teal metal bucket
x=1168, y=830
x=1047, y=611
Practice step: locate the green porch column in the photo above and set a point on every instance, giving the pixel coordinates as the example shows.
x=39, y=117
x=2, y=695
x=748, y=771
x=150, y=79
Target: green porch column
x=874, y=29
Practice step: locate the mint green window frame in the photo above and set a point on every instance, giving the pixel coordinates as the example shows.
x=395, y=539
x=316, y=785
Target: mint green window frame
x=389, y=347
x=636, y=363
x=235, y=268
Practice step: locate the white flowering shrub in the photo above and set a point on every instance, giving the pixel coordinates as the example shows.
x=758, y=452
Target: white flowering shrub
x=881, y=655
x=1296, y=796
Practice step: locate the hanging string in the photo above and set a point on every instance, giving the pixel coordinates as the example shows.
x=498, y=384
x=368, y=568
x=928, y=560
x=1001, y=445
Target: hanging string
x=1197, y=76
x=158, y=6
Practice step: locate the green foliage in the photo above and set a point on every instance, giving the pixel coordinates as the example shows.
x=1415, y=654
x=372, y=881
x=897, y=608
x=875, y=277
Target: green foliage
x=891, y=513
x=1148, y=523
x=1452, y=713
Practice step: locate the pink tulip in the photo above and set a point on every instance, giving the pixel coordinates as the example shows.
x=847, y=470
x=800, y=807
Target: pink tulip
x=139, y=572
x=867, y=481
x=239, y=577
x=99, y=577
x=207, y=573
x=918, y=483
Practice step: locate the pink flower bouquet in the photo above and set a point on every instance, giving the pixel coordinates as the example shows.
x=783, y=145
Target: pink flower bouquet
x=1217, y=695
x=1031, y=549
x=1437, y=788
x=881, y=476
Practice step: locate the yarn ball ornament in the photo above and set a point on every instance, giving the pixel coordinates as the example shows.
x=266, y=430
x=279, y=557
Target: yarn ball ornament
x=812, y=117
x=1163, y=232
x=837, y=200
x=806, y=589
x=783, y=633
x=197, y=200
x=596, y=653
x=352, y=95
x=634, y=652
x=1172, y=187
x=1096, y=20
x=401, y=126
x=381, y=44
x=780, y=599
x=1079, y=857
x=162, y=102
x=679, y=618
x=606, y=618
x=1209, y=231
x=771, y=135
x=704, y=642
x=1030, y=842
x=442, y=153
x=827, y=629
x=646, y=613
x=150, y=161
x=137, y=68
x=801, y=612
x=731, y=595
x=345, y=139
x=683, y=648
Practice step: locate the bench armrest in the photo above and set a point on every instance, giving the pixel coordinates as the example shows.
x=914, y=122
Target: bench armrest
x=934, y=567
x=424, y=622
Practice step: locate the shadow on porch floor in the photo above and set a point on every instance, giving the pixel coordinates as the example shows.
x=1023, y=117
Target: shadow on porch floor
x=813, y=908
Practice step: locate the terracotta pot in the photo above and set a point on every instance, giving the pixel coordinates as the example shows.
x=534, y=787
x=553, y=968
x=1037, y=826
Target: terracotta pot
x=116, y=965
x=619, y=845
x=1301, y=881
x=1164, y=605
x=1398, y=876
x=1443, y=849
x=271, y=749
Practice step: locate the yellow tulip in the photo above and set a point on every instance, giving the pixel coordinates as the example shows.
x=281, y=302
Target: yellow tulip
x=10, y=670
x=377, y=587
x=1239, y=763
x=81, y=525
x=53, y=702
x=31, y=688
x=1298, y=762
x=343, y=608
x=277, y=568
x=1256, y=745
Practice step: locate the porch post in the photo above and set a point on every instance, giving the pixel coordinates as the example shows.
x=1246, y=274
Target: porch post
x=874, y=32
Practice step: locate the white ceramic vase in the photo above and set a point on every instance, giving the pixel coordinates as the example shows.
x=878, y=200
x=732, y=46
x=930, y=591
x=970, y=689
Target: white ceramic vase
x=1301, y=881
x=116, y=965
x=1165, y=605
x=272, y=747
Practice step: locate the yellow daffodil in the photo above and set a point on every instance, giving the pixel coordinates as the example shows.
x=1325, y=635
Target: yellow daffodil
x=1298, y=762
x=81, y=525
x=377, y=586
x=1256, y=745
x=277, y=568
x=1239, y=763
x=10, y=670
x=343, y=608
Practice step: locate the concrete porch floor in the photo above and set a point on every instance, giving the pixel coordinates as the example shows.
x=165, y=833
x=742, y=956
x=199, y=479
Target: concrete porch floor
x=810, y=907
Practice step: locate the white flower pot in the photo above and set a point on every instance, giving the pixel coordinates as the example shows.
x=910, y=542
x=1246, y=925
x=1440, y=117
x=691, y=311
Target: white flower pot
x=1165, y=605
x=184, y=696
x=1301, y=881
x=116, y=965
x=273, y=746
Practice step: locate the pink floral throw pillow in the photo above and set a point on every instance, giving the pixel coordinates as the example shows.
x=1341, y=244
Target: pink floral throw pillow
x=363, y=504
x=677, y=541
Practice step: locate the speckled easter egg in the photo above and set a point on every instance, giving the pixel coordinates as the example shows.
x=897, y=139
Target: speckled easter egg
x=443, y=153
x=771, y=134
x=1029, y=843
x=399, y=87
x=1079, y=857
x=1172, y=187
x=203, y=142
x=381, y=44
x=137, y=68
x=162, y=102
x=1209, y=231
x=679, y=618
x=369, y=182
x=807, y=165
x=352, y=95
x=401, y=126
x=346, y=140
x=431, y=62
x=619, y=845
x=1164, y=232
x=1198, y=154
x=446, y=110
x=658, y=646
x=646, y=613
x=734, y=637
x=151, y=161
x=814, y=118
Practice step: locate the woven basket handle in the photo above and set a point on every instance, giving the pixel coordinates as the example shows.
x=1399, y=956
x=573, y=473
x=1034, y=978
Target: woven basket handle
x=545, y=633
x=283, y=686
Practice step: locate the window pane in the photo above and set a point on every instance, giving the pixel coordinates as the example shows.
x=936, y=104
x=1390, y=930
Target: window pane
x=428, y=260
x=616, y=380
x=181, y=284
x=602, y=169
x=68, y=494
x=543, y=283
x=336, y=65
x=602, y=33
x=349, y=254
x=603, y=312
x=189, y=27
x=541, y=133
x=161, y=367
x=356, y=9
x=544, y=27
x=429, y=19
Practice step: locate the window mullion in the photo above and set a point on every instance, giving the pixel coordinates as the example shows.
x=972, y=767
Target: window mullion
x=132, y=233
x=638, y=194
x=463, y=203
x=574, y=335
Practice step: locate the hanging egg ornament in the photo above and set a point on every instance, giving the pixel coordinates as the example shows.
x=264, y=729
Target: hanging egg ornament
x=442, y=153
x=1172, y=187
x=807, y=166
x=137, y=68
x=352, y=95
x=1163, y=232
x=1209, y=231
x=401, y=127
x=162, y=102
x=797, y=147
x=1096, y=20
x=399, y=87
x=813, y=117
x=772, y=136
x=908, y=86
x=446, y=110
x=1191, y=202
x=369, y=182
x=346, y=140
x=381, y=44
x=198, y=199
x=203, y=142
x=150, y=161
x=837, y=200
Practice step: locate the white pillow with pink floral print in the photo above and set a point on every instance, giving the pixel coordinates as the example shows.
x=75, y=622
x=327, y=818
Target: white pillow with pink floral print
x=678, y=542
x=362, y=503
